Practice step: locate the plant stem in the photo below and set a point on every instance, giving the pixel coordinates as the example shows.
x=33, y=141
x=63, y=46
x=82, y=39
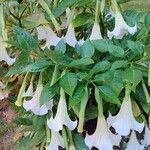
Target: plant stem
x=97, y=13
x=49, y=12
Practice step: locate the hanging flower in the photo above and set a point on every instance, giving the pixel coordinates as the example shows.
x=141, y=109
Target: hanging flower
x=102, y=138
x=124, y=121
x=46, y=33
x=133, y=144
x=146, y=141
x=34, y=103
x=3, y=94
x=121, y=28
x=70, y=37
x=56, y=140
x=62, y=117
x=29, y=92
x=3, y=53
x=96, y=32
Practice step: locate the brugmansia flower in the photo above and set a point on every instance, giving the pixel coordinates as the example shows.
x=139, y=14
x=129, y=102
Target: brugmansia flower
x=96, y=32
x=29, y=92
x=102, y=138
x=121, y=28
x=146, y=141
x=133, y=144
x=56, y=140
x=3, y=53
x=124, y=121
x=62, y=117
x=70, y=37
x=34, y=103
x=46, y=33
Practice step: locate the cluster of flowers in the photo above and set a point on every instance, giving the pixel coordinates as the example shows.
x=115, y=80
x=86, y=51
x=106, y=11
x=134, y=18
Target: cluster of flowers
x=103, y=138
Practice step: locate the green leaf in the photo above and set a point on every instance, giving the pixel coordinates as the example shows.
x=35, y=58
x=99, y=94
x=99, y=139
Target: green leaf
x=132, y=76
x=23, y=121
x=100, y=67
x=147, y=21
x=79, y=63
x=37, y=66
x=60, y=47
x=38, y=137
x=83, y=19
x=136, y=48
x=48, y=92
x=61, y=7
x=108, y=94
x=25, y=39
x=24, y=143
x=69, y=82
x=104, y=45
x=87, y=49
x=79, y=142
x=39, y=122
x=77, y=96
x=119, y=64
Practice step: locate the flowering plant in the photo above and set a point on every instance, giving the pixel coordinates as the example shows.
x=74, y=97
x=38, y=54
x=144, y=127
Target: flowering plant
x=78, y=73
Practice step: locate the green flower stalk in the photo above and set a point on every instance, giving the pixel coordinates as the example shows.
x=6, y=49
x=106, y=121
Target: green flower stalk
x=49, y=12
x=146, y=92
x=83, y=105
x=71, y=143
x=149, y=75
x=19, y=100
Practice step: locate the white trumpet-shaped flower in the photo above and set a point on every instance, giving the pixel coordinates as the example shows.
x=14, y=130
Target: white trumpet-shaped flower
x=62, y=117
x=146, y=141
x=4, y=55
x=70, y=37
x=96, y=32
x=46, y=33
x=34, y=103
x=56, y=140
x=124, y=121
x=3, y=94
x=133, y=144
x=121, y=28
x=102, y=138
x=29, y=92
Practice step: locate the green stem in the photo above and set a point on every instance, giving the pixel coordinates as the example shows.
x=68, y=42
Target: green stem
x=97, y=13
x=55, y=2
x=115, y=5
x=146, y=92
x=48, y=135
x=99, y=102
x=65, y=138
x=2, y=23
x=49, y=12
x=127, y=89
x=21, y=91
x=54, y=76
x=149, y=75
x=83, y=104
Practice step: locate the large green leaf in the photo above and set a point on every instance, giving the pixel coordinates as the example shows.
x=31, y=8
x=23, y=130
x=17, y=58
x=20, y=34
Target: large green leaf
x=132, y=76
x=147, y=21
x=100, y=67
x=108, y=94
x=24, y=39
x=83, y=19
x=79, y=142
x=119, y=64
x=77, y=96
x=79, y=63
x=48, y=92
x=87, y=49
x=69, y=82
x=104, y=45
